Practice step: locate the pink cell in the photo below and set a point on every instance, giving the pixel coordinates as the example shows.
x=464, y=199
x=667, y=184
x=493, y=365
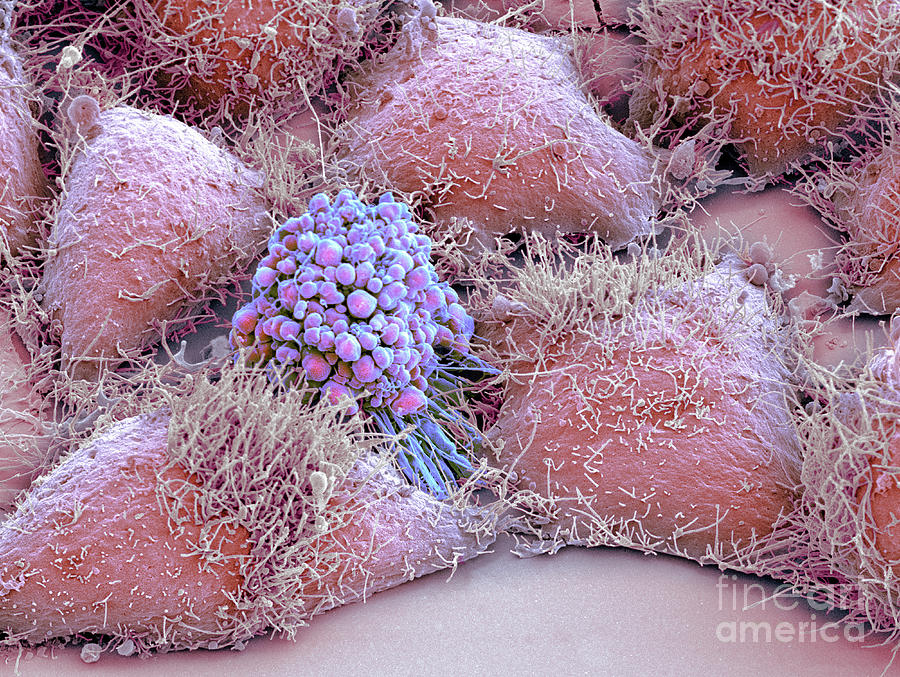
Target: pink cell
x=307, y=242
x=289, y=294
x=389, y=211
x=364, y=273
x=332, y=316
x=245, y=320
x=289, y=330
x=460, y=320
x=377, y=244
x=382, y=357
x=396, y=271
x=361, y=304
x=443, y=337
x=326, y=339
x=409, y=401
x=345, y=274
x=368, y=340
x=390, y=334
x=316, y=367
x=365, y=370
x=429, y=329
x=272, y=326
x=374, y=285
x=287, y=266
x=264, y=277
x=328, y=253
x=434, y=299
x=347, y=347
x=415, y=357
x=417, y=278
x=308, y=289
x=335, y=392
x=311, y=336
x=286, y=354
x=405, y=260
x=387, y=300
x=329, y=293
x=377, y=322
x=318, y=203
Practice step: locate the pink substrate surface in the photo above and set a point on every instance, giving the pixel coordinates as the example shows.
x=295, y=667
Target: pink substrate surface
x=608, y=610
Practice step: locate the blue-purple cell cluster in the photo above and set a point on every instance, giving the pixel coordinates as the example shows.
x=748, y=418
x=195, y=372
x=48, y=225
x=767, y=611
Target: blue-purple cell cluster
x=348, y=298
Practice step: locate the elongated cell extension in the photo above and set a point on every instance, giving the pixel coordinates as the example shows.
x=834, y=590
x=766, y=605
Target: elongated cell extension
x=648, y=401
x=151, y=218
x=779, y=78
x=490, y=126
x=775, y=229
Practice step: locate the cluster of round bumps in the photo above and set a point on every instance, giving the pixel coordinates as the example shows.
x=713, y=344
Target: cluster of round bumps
x=347, y=295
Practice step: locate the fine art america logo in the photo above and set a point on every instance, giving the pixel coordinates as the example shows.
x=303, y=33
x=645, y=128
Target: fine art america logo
x=783, y=616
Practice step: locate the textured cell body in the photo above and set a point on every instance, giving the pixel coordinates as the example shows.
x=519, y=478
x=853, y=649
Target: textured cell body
x=867, y=206
x=490, y=124
x=395, y=533
x=609, y=61
x=172, y=535
x=667, y=428
x=91, y=551
x=884, y=503
x=780, y=77
x=256, y=48
x=846, y=542
x=22, y=181
x=152, y=217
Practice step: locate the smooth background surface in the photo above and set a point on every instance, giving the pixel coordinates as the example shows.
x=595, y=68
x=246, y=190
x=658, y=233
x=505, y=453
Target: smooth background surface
x=579, y=612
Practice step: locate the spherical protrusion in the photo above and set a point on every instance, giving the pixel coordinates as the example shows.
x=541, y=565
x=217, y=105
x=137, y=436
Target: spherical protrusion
x=316, y=367
x=84, y=113
x=757, y=274
x=361, y=304
x=760, y=252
